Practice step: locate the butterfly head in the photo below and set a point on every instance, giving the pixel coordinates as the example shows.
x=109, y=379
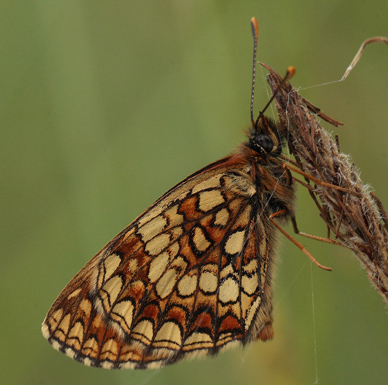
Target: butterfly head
x=265, y=137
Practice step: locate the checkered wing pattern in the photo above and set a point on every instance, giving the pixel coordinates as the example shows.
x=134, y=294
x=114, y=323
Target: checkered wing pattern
x=189, y=276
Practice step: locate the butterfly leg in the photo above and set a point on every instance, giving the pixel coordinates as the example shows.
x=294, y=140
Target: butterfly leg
x=293, y=167
x=288, y=166
x=293, y=240
x=322, y=239
x=316, y=180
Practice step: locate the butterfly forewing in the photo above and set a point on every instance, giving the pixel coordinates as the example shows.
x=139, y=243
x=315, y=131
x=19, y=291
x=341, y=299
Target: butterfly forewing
x=187, y=277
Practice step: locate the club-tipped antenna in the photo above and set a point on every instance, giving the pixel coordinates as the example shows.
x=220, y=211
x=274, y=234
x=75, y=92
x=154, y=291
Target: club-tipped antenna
x=255, y=33
x=289, y=74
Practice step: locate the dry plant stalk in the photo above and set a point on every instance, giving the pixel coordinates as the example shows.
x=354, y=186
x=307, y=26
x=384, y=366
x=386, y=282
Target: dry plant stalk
x=357, y=217
x=376, y=39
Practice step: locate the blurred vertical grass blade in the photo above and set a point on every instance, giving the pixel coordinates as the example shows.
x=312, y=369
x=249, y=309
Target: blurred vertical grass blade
x=357, y=217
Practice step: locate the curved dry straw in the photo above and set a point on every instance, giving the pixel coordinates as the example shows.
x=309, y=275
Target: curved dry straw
x=357, y=217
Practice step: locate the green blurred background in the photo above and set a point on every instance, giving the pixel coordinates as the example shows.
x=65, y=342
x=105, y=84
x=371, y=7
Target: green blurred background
x=106, y=105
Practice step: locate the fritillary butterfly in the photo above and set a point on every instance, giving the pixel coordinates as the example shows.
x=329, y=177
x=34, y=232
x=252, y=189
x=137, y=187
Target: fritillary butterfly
x=189, y=276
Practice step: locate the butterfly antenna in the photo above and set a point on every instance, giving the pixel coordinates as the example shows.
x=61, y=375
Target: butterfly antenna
x=255, y=33
x=289, y=74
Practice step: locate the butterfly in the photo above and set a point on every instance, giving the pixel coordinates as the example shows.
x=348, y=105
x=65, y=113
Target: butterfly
x=192, y=274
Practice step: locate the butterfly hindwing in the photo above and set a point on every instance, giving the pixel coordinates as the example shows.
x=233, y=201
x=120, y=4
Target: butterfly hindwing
x=187, y=277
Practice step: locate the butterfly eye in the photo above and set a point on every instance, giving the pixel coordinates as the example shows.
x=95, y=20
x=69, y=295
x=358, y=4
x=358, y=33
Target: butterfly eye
x=261, y=142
